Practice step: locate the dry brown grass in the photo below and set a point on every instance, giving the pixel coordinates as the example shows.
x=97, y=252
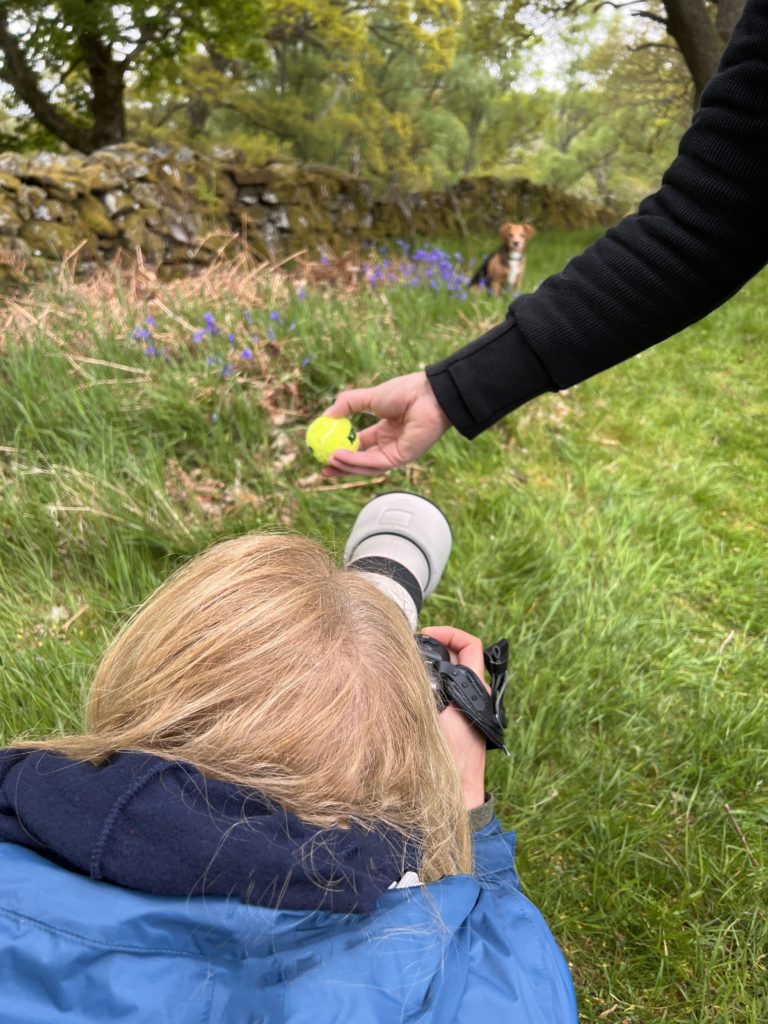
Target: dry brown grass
x=114, y=298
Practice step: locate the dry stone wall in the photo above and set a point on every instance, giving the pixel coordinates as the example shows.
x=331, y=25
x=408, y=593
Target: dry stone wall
x=181, y=209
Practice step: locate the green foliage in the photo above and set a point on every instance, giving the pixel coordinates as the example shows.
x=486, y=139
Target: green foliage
x=344, y=84
x=375, y=93
x=68, y=61
x=407, y=93
x=616, y=121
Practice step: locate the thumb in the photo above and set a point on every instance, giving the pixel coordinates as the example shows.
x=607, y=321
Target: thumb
x=354, y=400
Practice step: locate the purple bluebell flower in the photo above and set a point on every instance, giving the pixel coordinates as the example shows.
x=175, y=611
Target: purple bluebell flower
x=274, y=315
x=211, y=361
x=231, y=338
x=150, y=350
x=197, y=337
x=301, y=293
x=246, y=354
x=141, y=334
x=226, y=371
x=247, y=317
x=210, y=323
x=306, y=360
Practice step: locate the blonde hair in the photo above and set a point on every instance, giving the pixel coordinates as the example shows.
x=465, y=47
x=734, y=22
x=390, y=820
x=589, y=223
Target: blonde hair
x=262, y=663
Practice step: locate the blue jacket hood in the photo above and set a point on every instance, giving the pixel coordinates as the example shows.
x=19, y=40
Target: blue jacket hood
x=161, y=827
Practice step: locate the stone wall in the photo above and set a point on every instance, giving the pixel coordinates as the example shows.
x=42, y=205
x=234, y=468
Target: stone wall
x=181, y=209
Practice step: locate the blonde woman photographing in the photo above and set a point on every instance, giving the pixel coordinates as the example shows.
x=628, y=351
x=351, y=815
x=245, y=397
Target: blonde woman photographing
x=266, y=819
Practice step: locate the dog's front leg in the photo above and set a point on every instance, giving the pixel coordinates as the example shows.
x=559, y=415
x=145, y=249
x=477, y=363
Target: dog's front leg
x=518, y=283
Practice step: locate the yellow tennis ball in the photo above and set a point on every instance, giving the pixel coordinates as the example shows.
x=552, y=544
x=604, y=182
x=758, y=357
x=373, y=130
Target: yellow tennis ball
x=326, y=434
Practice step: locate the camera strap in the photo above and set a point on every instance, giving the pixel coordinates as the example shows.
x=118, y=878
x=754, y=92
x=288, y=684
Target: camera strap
x=460, y=686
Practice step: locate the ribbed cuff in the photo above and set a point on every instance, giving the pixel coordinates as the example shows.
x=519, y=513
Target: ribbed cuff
x=488, y=378
x=481, y=816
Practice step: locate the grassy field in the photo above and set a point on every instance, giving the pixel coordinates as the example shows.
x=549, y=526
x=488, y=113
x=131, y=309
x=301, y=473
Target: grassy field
x=616, y=533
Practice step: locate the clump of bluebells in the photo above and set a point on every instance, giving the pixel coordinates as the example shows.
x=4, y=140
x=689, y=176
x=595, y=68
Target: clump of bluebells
x=144, y=333
x=224, y=348
x=422, y=267
x=221, y=346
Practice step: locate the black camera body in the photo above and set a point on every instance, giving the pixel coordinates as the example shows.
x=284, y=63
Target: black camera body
x=460, y=686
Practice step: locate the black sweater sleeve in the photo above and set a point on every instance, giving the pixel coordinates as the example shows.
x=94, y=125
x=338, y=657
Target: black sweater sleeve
x=688, y=248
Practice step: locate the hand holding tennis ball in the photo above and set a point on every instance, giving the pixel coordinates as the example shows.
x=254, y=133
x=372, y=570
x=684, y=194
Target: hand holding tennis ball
x=326, y=434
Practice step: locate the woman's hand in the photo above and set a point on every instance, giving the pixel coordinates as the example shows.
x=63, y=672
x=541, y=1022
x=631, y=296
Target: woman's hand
x=465, y=740
x=410, y=420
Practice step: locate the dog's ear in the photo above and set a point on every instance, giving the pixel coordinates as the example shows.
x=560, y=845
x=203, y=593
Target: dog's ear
x=530, y=230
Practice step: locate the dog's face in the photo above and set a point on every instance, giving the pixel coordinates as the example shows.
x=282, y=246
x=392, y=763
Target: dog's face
x=516, y=235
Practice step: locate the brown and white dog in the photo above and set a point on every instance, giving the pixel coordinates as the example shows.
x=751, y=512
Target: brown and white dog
x=505, y=267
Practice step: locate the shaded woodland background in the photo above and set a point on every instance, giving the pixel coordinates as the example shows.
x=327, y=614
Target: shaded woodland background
x=586, y=96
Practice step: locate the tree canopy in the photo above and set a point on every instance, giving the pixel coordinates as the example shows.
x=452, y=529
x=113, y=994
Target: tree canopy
x=70, y=62
x=405, y=92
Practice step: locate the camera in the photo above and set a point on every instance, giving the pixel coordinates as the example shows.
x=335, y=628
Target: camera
x=403, y=542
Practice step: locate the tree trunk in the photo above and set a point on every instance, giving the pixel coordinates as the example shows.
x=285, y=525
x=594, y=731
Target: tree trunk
x=198, y=111
x=107, y=102
x=700, y=38
x=107, y=92
x=728, y=13
x=24, y=82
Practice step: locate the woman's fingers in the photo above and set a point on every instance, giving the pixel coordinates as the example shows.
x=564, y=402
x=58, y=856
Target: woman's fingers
x=465, y=648
x=363, y=463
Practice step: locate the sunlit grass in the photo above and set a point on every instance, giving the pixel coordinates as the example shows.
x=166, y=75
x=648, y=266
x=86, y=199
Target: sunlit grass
x=616, y=534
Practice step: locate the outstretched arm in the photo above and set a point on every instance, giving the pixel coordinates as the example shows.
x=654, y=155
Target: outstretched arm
x=688, y=248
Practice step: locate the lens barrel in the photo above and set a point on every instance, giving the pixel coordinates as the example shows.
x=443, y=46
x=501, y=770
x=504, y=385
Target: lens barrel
x=403, y=541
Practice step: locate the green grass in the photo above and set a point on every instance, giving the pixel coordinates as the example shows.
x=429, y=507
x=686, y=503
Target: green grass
x=616, y=534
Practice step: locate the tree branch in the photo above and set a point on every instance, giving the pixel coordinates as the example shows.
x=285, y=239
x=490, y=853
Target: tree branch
x=657, y=18
x=654, y=46
x=22, y=78
x=153, y=31
x=616, y=6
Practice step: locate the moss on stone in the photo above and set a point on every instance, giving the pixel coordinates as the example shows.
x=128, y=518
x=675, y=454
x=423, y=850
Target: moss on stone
x=94, y=217
x=53, y=240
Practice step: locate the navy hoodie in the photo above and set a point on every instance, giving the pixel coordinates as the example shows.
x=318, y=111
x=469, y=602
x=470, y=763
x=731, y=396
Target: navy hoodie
x=161, y=827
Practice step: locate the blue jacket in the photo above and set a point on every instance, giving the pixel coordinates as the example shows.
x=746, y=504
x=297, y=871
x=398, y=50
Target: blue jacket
x=82, y=949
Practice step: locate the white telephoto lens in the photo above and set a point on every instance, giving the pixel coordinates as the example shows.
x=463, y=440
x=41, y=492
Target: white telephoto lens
x=403, y=541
